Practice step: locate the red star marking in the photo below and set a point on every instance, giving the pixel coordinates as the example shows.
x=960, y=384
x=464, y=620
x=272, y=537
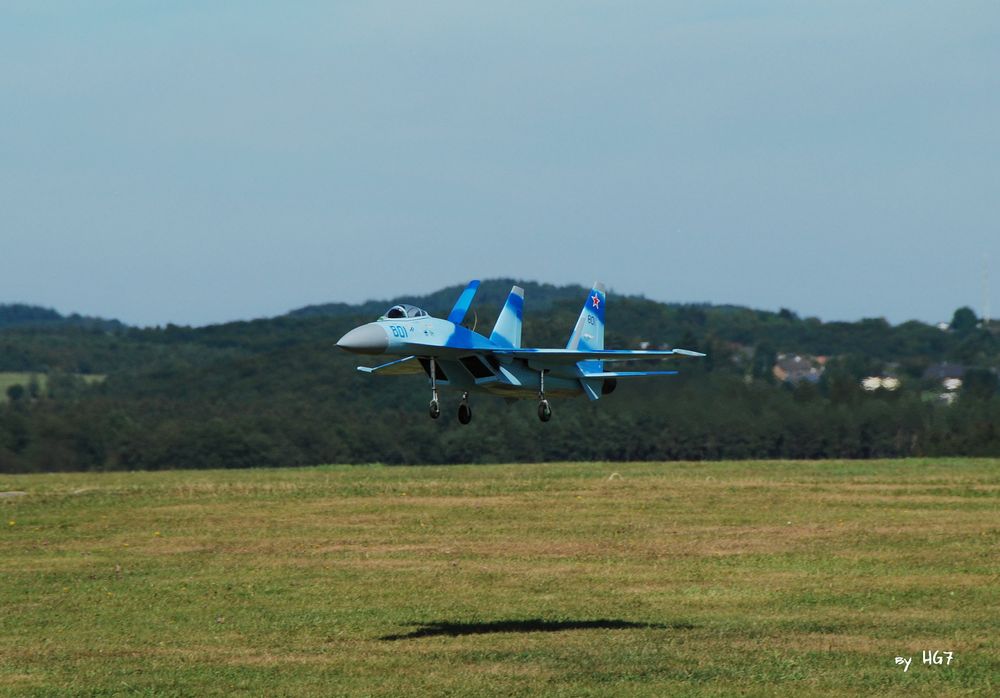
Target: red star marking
x=597, y=300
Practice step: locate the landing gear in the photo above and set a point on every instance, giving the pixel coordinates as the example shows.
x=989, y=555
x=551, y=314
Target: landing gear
x=434, y=409
x=544, y=409
x=464, y=410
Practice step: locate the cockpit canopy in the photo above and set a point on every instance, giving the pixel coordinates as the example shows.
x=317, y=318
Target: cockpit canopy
x=404, y=310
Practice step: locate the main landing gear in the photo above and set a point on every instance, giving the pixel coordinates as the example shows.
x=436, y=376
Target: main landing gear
x=544, y=409
x=434, y=409
x=464, y=410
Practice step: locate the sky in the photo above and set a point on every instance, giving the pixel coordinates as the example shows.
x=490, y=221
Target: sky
x=194, y=162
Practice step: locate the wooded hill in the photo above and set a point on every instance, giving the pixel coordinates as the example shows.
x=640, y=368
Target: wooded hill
x=277, y=392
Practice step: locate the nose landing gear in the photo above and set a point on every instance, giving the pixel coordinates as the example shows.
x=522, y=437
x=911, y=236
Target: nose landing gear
x=434, y=409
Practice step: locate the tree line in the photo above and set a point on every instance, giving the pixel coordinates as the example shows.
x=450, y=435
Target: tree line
x=276, y=392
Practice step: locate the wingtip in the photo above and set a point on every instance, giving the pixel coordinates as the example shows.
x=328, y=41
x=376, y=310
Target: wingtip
x=598, y=286
x=517, y=291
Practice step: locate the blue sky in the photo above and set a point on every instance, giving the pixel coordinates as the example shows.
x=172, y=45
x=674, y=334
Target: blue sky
x=198, y=162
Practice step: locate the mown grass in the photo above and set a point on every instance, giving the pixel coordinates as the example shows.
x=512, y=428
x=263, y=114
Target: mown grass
x=728, y=578
x=8, y=379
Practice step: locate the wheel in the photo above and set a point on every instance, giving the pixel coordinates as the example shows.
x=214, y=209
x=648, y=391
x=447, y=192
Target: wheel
x=464, y=413
x=544, y=411
x=434, y=409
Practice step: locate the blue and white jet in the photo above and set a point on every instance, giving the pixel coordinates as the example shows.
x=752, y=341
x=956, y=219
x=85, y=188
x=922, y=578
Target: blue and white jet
x=455, y=357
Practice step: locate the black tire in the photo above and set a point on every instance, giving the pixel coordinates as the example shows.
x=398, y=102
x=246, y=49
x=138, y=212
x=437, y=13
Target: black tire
x=434, y=409
x=464, y=413
x=544, y=411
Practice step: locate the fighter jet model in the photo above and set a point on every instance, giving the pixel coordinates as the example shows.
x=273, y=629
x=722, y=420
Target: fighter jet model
x=456, y=357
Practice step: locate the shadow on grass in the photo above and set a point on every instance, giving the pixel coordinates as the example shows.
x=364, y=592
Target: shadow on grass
x=533, y=625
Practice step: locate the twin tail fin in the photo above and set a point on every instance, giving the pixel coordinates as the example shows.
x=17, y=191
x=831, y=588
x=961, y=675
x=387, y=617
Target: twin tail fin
x=507, y=331
x=588, y=334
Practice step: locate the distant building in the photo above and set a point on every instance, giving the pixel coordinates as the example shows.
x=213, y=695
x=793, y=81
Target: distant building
x=873, y=383
x=948, y=377
x=947, y=398
x=741, y=353
x=944, y=371
x=795, y=368
x=952, y=384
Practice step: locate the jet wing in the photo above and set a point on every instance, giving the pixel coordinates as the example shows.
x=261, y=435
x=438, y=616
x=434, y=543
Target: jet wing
x=394, y=368
x=569, y=356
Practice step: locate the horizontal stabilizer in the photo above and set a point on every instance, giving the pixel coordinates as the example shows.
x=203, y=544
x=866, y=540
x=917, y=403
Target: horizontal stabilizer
x=568, y=356
x=457, y=313
x=687, y=352
x=629, y=374
x=399, y=367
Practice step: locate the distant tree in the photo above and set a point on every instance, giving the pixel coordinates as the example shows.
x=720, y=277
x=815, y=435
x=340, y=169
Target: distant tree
x=272, y=392
x=979, y=384
x=840, y=380
x=964, y=320
x=975, y=347
x=806, y=391
x=692, y=315
x=15, y=392
x=764, y=356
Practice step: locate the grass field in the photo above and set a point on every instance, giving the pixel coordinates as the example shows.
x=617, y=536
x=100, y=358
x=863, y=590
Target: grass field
x=9, y=379
x=564, y=579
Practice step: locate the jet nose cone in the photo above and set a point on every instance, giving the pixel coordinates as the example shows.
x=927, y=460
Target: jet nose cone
x=367, y=339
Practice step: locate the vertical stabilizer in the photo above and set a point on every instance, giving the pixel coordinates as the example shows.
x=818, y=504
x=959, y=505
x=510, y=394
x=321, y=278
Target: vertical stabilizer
x=457, y=313
x=589, y=331
x=507, y=331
